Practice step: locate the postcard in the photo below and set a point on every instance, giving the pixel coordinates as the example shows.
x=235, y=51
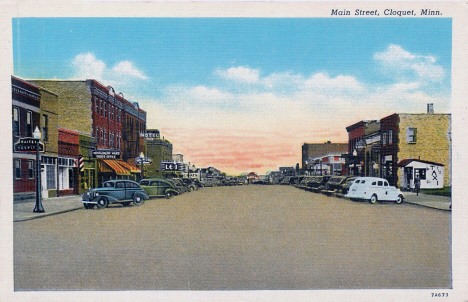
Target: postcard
x=234, y=151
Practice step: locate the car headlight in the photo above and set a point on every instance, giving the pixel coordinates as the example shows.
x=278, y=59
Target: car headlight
x=96, y=194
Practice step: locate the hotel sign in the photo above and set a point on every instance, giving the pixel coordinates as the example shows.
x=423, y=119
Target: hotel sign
x=105, y=153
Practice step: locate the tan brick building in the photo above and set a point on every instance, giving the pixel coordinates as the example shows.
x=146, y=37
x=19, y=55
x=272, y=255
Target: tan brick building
x=425, y=137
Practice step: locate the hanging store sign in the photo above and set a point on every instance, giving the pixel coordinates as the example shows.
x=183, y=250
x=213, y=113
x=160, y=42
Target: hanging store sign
x=105, y=153
x=28, y=145
x=172, y=166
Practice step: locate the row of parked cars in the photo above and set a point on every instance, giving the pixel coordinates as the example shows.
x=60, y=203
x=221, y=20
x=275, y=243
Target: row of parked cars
x=127, y=191
x=372, y=189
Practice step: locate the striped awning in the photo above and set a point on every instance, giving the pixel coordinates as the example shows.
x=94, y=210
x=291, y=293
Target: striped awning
x=114, y=165
x=103, y=168
x=129, y=167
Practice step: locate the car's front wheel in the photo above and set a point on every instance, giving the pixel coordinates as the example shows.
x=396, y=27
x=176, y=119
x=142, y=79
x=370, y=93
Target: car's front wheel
x=102, y=203
x=137, y=199
x=373, y=199
x=169, y=195
x=399, y=199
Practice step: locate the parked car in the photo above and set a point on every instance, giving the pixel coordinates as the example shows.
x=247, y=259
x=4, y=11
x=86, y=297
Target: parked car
x=189, y=183
x=114, y=191
x=318, y=183
x=374, y=189
x=345, y=186
x=179, y=185
x=197, y=182
x=286, y=180
x=157, y=187
x=336, y=184
x=304, y=182
x=210, y=182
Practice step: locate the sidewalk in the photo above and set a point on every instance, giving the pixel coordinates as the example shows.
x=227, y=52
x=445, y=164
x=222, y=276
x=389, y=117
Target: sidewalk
x=430, y=201
x=24, y=210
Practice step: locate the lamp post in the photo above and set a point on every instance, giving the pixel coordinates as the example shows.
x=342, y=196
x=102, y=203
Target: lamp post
x=38, y=207
x=142, y=156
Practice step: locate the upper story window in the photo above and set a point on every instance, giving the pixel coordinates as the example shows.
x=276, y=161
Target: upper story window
x=29, y=126
x=31, y=169
x=16, y=121
x=101, y=104
x=105, y=109
x=390, y=137
x=17, y=169
x=96, y=104
x=45, y=127
x=411, y=135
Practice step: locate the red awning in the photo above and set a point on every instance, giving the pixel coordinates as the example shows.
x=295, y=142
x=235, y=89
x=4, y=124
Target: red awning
x=129, y=167
x=114, y=165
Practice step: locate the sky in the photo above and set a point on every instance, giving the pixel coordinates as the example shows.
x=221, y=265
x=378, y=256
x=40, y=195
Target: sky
x=244, y=94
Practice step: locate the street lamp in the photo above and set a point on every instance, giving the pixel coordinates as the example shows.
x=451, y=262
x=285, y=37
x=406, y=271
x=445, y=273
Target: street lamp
x=38, y=207
x=142, y=156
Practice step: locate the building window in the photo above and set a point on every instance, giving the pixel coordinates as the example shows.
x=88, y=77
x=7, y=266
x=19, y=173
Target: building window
x=105, y=109
x=45, y=127
x=420, y=173
x=105, y=138
x=17, y=168
x=102, y=106
x=30, y=169
x=384, y=138
x=29, y=126
x=96, y=104
x=111, y=112
x=390, y=137
x=96, y=135
x=411, y=135
x=102, y=136
x=16, y=121
x=50, y=172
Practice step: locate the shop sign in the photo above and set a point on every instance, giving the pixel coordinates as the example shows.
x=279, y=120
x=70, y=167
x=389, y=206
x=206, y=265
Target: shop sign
x=360, y=145
x=172, y=166
x=145, y=160
x=105, y=153
x=28, y=145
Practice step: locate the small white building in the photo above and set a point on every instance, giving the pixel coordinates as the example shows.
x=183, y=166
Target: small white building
x=430, y=173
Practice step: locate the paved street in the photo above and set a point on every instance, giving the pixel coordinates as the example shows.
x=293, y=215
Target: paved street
x=247, y=237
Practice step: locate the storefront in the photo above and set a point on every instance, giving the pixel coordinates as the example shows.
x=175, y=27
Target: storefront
x=430, y=174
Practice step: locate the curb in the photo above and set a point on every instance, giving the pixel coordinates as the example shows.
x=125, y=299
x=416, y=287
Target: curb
x=427, y=206
x=46, y=214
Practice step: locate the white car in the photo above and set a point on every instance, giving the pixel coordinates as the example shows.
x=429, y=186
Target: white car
x=374, y=189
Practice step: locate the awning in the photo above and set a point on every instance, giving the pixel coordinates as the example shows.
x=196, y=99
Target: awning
x=114, y=165
x=103, y=168
x=129, y=167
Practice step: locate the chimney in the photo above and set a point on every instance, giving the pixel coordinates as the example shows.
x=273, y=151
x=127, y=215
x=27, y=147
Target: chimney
x=430, y=108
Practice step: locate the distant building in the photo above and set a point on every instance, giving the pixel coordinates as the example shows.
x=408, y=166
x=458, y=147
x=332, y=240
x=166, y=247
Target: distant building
x=313, y=150
x=159, y=150
x=178, y=158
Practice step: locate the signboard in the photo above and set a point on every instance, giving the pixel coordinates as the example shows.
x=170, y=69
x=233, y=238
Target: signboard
x=28, y=145
x=105, y=153
x=360, y=144
x=151, y=134
x=146, y=160
x=172, y=166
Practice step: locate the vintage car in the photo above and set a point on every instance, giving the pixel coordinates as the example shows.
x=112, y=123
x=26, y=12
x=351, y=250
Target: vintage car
x=189, y=183
x=374, y=189
x=304, y=182
x=318, y=183
x=336, y=184
x=179, y=185
x=159, y=187
x=114, y=191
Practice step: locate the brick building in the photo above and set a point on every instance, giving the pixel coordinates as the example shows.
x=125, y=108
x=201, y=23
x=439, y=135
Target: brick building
x=103, y=120
x=25, y=118
x=423, y=137
x=158, y=150
x=310, y=151
x=68, y=152
x=364, y=148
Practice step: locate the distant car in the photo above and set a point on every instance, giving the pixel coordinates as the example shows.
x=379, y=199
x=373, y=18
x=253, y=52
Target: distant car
x=374, y=189
x=338, y=184
x=114, y=191
x=318, y=183
x=179, y=185
x=159, y=187
x=189, y=183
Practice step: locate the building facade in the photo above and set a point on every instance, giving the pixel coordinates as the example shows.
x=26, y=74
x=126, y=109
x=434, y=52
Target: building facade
x=314, y=150
x=103, y=120
x=425, y=137
x=158, y=150
x=25, y=118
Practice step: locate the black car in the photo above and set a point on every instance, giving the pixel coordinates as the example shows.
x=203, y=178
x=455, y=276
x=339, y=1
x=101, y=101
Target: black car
x=318, y=183
x=114, y=191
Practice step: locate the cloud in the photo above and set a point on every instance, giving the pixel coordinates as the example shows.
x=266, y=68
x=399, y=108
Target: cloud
x=126, y=68
x=239, y=74
x=123, y=74
x=403, y=65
